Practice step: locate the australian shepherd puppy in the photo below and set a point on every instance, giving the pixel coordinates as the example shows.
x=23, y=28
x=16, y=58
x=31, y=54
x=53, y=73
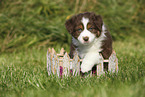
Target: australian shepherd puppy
x=90, y=38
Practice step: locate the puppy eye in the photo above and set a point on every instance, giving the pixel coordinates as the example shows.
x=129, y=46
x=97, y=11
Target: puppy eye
x=90, y=29
x=79, y=30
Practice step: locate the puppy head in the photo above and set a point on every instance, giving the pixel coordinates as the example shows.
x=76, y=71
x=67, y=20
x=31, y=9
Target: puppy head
x=85, y=27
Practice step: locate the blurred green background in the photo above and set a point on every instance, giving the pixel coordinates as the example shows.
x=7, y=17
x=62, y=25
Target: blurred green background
x=40, y=23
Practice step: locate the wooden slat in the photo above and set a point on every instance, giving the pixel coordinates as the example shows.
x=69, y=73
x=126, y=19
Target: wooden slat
x=66, y=65
x=54, y=59
x=76, y=65
x=49, y=62
x=49, y=50
x=106, y=60
x=62, y=51
x=59, y=55
x=113, y=66
x=100, y=68
x=57, y=67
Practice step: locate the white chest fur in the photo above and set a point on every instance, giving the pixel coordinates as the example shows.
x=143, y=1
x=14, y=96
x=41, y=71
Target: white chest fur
x=94, y=47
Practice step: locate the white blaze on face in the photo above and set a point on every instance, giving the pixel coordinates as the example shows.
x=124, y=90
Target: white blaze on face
x=86, y=33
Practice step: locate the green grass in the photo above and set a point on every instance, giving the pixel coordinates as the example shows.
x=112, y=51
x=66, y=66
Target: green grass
x=24, y=74
x=29, y=27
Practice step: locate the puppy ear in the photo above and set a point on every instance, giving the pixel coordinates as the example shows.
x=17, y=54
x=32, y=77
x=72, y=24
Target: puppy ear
x=69, y=25
x=98, y=22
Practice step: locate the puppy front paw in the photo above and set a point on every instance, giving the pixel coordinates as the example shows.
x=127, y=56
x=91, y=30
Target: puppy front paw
x=89, y=61
x=85, y=67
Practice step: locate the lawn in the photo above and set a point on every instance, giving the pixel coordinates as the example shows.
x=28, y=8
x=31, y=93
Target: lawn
x=24, y=74
x=29, y=27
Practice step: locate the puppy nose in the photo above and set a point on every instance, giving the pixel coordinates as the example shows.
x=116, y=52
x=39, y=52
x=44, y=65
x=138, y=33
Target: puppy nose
x=86, y=38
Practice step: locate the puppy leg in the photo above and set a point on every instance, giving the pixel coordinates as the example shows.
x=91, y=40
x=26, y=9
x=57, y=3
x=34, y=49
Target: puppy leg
x=89, y=61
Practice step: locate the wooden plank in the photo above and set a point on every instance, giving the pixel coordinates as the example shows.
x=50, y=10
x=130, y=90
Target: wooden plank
x=59, y=55
x=60, y=61
x=100, y=68
x=49, y=50
x=54, y=63
x=57, y=67
x=113, y=63
x=116, y=61
x=66, y=65
x=76, y=65
x=49, y=62
x=106, y=60
x=62, y=51
x=52, y=51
